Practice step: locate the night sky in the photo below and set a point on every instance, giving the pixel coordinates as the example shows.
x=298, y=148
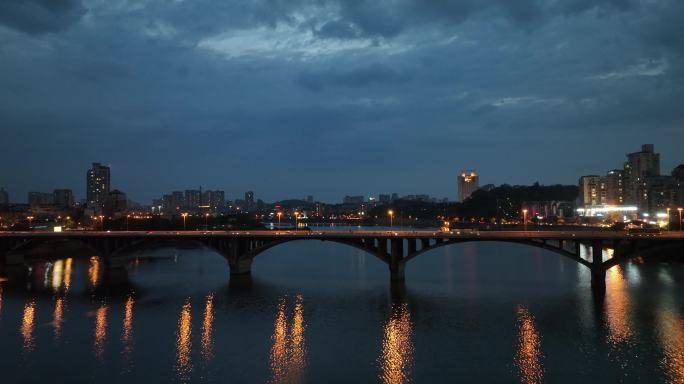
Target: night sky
x=328, y=98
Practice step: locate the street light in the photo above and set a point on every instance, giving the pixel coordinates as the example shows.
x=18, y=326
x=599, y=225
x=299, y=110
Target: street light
x=669, y=218
x=184, y=214
x=680, y=218
x=127, y=217
x=525, y=219
x=279, y=214
x=391, y=215
x=101, y=222
x=296, y=215
x=30, y=220
x=206, y=221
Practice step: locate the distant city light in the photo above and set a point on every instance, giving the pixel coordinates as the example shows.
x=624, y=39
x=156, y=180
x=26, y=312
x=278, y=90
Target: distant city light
x=593, y=211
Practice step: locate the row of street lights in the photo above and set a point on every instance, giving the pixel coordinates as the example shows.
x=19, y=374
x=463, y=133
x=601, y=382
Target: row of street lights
x=390, y=213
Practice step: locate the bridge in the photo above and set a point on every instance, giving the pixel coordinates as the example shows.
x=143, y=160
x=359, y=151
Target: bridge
x=395, y=248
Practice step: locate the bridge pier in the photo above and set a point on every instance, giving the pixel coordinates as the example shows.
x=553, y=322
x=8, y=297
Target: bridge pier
x=396, y=261
x=598, y=270
x=240, y=266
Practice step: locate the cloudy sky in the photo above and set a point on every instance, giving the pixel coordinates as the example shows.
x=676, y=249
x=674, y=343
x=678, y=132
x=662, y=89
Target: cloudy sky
x=328, y=98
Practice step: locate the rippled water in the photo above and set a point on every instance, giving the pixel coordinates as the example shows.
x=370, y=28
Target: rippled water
x=323, y=312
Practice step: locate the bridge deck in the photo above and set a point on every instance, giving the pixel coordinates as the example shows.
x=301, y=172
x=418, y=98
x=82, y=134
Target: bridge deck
x=359, y=234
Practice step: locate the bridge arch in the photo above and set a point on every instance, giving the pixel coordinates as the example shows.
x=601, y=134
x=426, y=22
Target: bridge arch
x=357, y=245
x=622, y=257
x=149, y=243
x=33, y=243
x=562, y=252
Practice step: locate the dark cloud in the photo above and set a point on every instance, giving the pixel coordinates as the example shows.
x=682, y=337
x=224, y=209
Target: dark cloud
x=338, y=29
x=358, y=77
x=392, y=95
x=40, y=16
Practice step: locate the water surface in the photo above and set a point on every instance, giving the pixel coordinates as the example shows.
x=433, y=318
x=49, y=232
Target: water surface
x=323, y=312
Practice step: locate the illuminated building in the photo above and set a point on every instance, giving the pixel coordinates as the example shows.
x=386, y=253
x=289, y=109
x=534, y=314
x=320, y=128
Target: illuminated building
x=97, y=186
x=638, y=167
x=592, y=191
x=615, y=187
x=468, y=182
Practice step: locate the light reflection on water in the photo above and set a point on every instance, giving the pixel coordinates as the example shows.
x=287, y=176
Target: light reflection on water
x=27, y=325
x=94, y=271
x=288, y=349
x=100, y=331
x=57, y=274
x=184, y=344
x=57, y=317
x=529, y=356
x=127, y=332
x=207, y=328
x=671, y=334
x=618, y=307
x=396, y=359
x=67, y=274
x=280, y=323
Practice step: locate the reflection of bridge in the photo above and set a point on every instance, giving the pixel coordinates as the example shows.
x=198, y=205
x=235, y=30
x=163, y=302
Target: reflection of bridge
x=395, y=248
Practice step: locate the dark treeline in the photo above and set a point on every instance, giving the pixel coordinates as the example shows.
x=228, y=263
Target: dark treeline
x=505, y=201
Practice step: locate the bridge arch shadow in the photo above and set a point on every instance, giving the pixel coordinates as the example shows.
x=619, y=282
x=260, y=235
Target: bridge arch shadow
x=556, y=250
x=274, y=244
x=37, y=249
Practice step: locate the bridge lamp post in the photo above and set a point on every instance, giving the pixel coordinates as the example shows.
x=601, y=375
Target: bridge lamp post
x=279, y=214
x=680, y=218
x=391, y=215
x=525, y=219
x=296, y=215
x=184, y=215
x=30, y=220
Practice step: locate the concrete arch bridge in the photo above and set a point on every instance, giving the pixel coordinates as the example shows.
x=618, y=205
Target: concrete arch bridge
x=395, y=248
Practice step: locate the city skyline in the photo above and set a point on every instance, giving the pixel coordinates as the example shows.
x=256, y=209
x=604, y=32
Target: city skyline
x=80, y=193
x=331, y=96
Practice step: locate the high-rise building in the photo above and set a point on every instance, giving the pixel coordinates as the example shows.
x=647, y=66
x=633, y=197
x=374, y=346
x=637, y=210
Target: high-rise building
x=63, y=198
x=678, y=175
x=661, y=193
x=97, y=186
x=4, y=197
x=615, y=187
x=592, y=190
x=214, y=201
x=249, y=200
x=384, y=198
x=468, y=182
x=638, y=167
x=116, y=203
x=177, y=201
x=193, y=199
x=40, y=198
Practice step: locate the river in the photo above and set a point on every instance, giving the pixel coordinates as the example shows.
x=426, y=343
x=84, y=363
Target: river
x=324, y=312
